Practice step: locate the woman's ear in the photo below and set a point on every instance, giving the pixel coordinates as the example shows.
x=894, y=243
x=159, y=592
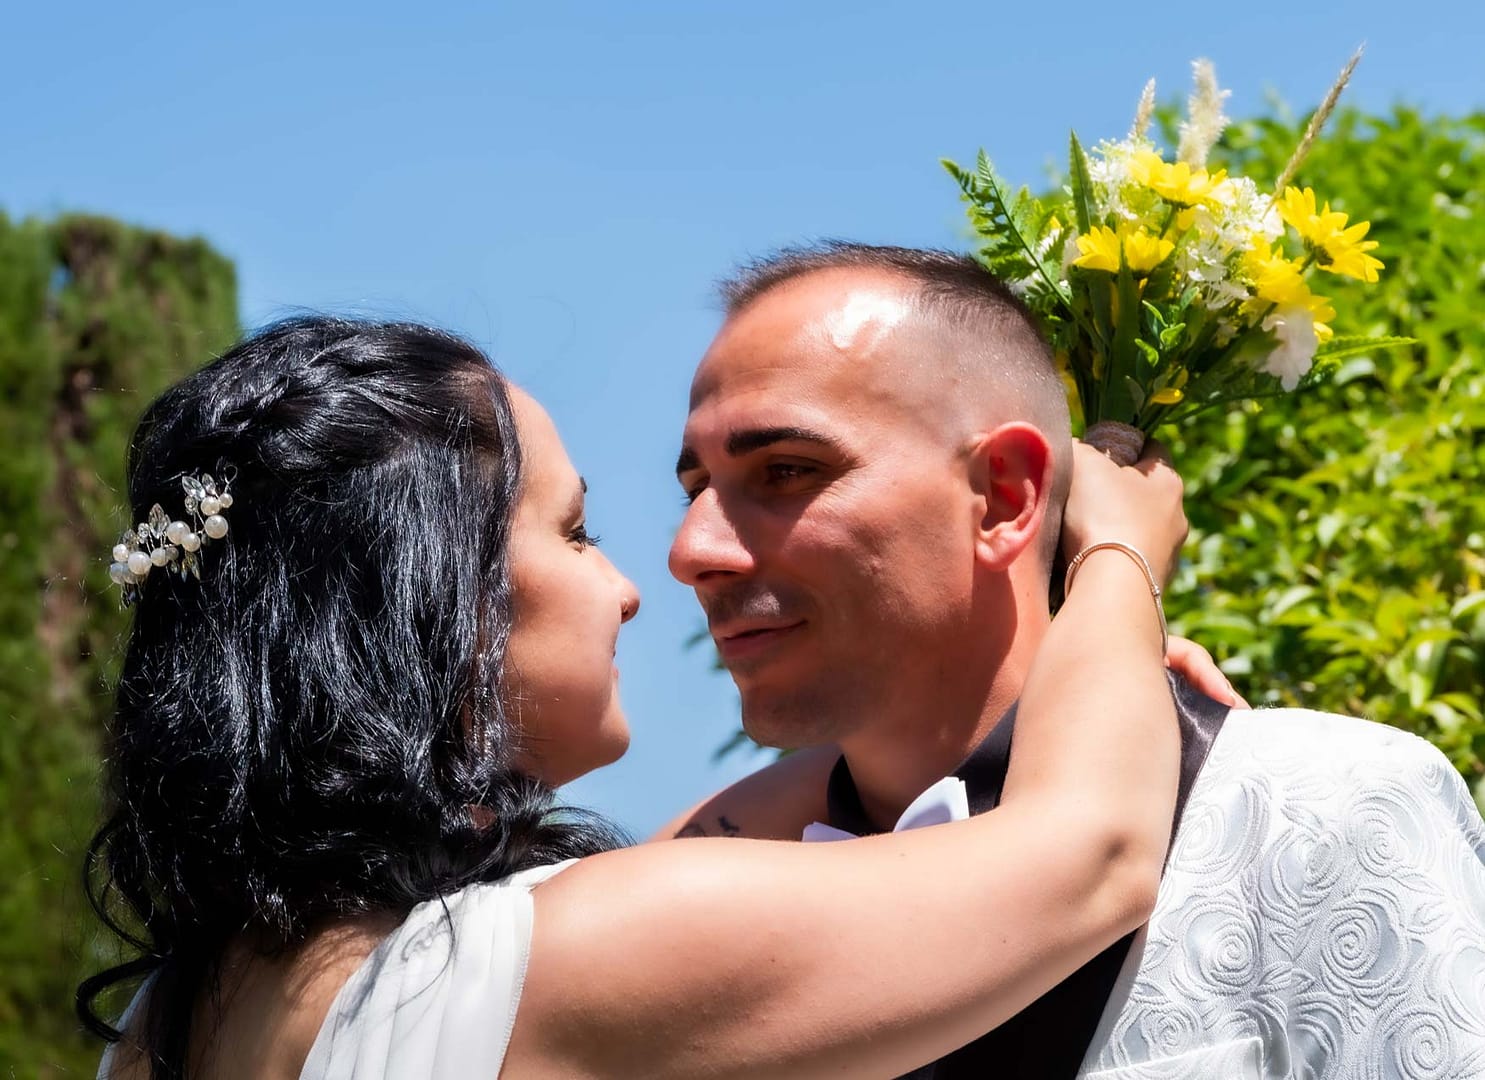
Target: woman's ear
x=1012, y=469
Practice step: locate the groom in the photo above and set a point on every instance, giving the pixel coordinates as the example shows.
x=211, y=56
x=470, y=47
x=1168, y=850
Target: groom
x=877, y=595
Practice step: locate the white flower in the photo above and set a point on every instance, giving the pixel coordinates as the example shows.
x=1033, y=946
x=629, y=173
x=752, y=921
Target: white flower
x=1244, y=211
x=1221, y=230
x=1069, y=251
x=1294, y=327
x=1108, y=165
x=1205, y=257
x=1227, y=329
x=1113, y=191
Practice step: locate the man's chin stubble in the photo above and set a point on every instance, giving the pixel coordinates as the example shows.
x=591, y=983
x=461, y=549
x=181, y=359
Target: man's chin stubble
x=794, y=721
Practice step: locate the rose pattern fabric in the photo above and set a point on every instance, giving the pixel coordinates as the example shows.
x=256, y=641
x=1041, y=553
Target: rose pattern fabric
x=1322, y=916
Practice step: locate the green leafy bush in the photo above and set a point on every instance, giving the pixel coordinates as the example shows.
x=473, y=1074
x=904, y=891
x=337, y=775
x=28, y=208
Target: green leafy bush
x=1337, y=552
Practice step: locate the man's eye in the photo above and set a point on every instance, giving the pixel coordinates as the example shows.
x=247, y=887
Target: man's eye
x=781, y=472
x=582, y=538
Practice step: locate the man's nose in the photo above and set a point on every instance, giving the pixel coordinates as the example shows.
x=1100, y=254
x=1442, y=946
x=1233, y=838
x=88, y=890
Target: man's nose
x=707, y=547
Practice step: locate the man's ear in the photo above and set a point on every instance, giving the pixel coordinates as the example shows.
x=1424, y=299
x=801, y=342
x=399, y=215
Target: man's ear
x=1011, y=468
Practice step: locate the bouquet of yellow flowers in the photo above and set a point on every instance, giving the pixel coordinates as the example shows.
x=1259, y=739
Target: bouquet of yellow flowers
x=1167, y=289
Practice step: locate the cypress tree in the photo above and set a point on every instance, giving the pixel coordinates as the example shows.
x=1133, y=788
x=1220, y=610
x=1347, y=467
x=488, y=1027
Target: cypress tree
x=96, y=318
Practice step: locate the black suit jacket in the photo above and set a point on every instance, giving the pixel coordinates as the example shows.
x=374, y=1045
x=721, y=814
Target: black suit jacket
x=1049, y=1038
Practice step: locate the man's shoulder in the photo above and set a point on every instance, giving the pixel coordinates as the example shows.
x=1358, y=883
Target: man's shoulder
x=774, y=803
x=1305, y=753
x=1324, y=897
x=1344, y=740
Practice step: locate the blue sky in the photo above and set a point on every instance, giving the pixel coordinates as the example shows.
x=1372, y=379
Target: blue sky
x=563, y=182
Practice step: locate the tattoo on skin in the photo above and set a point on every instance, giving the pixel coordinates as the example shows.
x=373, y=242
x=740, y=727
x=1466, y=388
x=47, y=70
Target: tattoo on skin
x=724, y=823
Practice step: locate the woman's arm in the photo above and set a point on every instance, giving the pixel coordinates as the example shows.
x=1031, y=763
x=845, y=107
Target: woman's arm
x=874, y=956
x=780, y=799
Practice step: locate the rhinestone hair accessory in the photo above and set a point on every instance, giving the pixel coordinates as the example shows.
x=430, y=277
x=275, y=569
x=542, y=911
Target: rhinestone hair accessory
x=164, y=543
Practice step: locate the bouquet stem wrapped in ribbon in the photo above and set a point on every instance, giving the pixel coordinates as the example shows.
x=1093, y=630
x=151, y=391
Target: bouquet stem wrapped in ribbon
x=1167, y=289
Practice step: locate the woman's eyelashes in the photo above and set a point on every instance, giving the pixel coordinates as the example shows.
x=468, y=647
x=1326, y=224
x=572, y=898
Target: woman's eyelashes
x=582, y=537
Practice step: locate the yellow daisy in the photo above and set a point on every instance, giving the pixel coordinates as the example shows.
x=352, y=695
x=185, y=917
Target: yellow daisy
x=1279, y=282
x=1276, y=279
x=1100, y=248
x=1175, y=182
x=1336, y=248
x=1144, y=252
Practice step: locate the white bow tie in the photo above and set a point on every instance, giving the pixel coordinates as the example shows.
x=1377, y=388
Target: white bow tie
x=946, y=800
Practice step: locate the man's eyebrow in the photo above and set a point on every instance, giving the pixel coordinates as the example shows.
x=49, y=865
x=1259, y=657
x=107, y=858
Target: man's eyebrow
x=750, y=439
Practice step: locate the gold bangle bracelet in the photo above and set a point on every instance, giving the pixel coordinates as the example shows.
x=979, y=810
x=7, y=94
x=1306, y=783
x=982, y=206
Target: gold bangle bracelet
x=1144, y=564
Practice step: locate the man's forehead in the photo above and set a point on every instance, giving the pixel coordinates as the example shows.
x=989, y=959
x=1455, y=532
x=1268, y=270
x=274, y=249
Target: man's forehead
x=836, y=330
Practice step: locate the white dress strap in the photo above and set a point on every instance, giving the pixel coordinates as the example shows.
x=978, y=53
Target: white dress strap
x=105, y=1063
x=438, y=997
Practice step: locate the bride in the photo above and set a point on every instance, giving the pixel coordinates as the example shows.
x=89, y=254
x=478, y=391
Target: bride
x=364, y=655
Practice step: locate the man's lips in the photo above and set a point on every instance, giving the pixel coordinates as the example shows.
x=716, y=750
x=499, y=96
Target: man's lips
x=737, y=643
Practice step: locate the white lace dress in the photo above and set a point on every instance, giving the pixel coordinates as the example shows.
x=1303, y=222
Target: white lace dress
x=438, y=997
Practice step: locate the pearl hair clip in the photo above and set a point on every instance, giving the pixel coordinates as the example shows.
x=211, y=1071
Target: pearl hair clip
x=161, y=542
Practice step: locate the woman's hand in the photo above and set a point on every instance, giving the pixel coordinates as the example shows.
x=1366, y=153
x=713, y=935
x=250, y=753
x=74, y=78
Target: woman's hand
x=1139, y=505
x=1194, y=664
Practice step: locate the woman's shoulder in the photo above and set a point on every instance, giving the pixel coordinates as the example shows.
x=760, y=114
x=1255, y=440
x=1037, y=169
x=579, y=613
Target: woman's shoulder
x=376, y=997
x=438, y=995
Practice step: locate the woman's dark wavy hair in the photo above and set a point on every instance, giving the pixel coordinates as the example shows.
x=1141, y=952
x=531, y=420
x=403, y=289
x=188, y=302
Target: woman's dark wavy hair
x=307, y=731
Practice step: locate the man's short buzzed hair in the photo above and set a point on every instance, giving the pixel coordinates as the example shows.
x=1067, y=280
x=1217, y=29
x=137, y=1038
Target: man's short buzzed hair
x=946, y=278
x=991, y=330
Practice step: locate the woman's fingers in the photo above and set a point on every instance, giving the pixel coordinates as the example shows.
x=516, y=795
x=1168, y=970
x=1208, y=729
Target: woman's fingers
x=1193, y=663
x=1139, y=505
x=1155, y=453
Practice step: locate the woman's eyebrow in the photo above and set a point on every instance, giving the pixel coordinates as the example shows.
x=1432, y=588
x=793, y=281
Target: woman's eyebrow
x=575, y=507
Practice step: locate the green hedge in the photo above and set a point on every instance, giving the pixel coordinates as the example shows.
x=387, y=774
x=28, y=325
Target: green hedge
x=95, y=319
x=1337, y=552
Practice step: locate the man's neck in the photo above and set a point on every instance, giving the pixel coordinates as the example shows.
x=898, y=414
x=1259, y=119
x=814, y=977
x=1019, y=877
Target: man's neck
x=899, y=754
